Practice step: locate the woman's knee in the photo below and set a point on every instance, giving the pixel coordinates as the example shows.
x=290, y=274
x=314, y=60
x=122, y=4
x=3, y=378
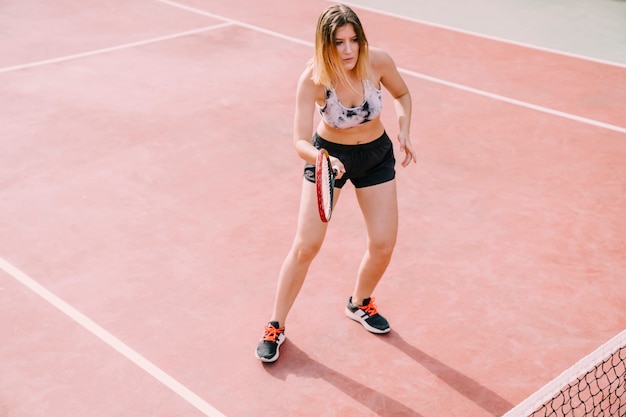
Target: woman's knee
x=382, y=248
x=305, y=252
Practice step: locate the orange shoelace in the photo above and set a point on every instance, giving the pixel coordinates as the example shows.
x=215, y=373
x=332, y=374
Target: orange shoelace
x=272, y=333
x=370, y=308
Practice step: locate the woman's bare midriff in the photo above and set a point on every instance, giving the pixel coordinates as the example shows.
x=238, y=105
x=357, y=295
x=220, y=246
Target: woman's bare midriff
x=358, y=135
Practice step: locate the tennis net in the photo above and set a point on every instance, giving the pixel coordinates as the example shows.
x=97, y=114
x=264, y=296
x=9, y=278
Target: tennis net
x=595, y=386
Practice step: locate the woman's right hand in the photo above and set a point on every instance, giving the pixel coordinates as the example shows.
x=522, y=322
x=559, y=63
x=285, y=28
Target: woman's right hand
x=337, y=166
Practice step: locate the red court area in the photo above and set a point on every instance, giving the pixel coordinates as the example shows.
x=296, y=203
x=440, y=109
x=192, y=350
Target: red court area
x=149, y=191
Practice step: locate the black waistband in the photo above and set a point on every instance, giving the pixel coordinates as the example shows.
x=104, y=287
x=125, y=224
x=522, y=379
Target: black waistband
x=323, y=143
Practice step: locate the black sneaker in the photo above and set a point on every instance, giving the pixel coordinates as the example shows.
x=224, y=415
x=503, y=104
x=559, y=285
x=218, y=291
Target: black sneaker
x=368, y=316
x=267, y=349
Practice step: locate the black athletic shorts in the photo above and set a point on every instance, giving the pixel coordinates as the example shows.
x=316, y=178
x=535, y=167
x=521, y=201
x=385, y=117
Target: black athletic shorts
x=367, y=164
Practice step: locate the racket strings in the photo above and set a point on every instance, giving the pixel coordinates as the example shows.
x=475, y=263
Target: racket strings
x=327, y=190
x=325, y=183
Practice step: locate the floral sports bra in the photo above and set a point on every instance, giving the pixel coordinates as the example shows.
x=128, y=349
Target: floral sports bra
x=340, y=117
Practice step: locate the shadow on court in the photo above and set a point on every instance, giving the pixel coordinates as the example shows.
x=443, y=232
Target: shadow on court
x=470, y=389
x=300, y=364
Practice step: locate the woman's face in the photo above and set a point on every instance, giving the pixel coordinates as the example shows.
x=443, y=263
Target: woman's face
x=347, y=46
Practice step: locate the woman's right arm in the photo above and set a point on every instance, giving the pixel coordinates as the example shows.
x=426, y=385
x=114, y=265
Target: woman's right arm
x=306, y=94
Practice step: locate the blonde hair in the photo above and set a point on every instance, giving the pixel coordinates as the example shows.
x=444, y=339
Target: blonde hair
x=326, y=61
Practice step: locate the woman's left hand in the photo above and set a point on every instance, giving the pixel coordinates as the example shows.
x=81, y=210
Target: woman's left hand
x=407, y=148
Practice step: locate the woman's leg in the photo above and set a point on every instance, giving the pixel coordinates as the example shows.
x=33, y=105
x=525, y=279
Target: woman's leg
x=379, y=205
x=309, y=237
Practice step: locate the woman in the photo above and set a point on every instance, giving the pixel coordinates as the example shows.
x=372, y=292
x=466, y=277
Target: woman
x=343, y=83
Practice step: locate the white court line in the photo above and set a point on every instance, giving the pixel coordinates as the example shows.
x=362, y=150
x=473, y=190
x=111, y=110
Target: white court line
x=436, y=80
x=119, y=346
x=516, y=102
x=112, y=48
x=234, y=22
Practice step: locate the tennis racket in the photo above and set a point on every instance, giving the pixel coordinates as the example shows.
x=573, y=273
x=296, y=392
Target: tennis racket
x=325, y=184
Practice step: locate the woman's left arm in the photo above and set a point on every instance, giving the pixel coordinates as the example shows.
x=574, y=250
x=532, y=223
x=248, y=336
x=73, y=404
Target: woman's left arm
x=391, y=79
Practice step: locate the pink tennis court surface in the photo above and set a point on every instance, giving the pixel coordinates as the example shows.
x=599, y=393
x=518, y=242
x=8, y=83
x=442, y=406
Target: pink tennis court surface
x=149, y=190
